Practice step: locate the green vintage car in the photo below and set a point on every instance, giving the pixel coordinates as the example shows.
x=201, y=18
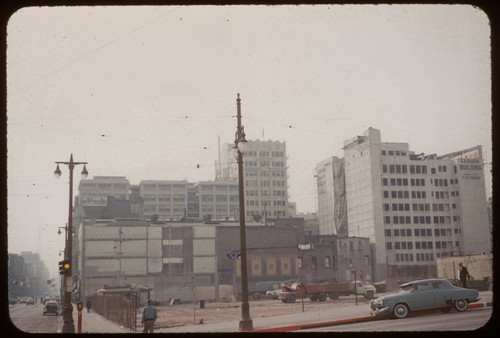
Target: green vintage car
x=424, y=295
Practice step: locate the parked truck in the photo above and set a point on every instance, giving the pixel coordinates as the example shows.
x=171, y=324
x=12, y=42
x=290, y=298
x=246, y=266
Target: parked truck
x=319, y=292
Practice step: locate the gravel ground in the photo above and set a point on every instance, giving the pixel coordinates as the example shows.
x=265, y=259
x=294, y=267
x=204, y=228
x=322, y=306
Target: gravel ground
x=214, y=312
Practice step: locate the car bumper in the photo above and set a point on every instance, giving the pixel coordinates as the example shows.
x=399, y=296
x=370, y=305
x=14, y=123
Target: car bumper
x=381, y=311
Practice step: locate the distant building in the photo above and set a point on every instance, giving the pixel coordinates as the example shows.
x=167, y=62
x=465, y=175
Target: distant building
x=414, y=208
x=265, y=177
x=166, y=256
x=103, y=186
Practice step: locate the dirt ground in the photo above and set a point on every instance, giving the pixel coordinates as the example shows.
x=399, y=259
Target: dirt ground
x=213, y=312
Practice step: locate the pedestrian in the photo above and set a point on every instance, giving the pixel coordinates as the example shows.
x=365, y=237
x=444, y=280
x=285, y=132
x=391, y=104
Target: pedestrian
x=89, y=305
x=464, y=274
x=149, y=317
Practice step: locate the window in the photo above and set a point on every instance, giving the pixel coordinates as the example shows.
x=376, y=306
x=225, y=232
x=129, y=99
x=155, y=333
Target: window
x=384, y=181
x=386, y=207
x=388, y=245
x=388, y=232
x=327, y=262
x=397, y=245
x=383, y=152
x=384, y=168
x=387, y=220
x=314, y=263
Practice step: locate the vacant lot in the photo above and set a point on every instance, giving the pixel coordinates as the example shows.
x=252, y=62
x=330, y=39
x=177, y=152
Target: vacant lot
x=189, y=313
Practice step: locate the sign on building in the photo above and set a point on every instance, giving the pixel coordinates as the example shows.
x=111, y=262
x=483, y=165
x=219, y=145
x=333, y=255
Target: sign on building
x=94, y=202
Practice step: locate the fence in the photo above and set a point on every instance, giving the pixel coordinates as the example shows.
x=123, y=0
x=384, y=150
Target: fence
x=117, y=308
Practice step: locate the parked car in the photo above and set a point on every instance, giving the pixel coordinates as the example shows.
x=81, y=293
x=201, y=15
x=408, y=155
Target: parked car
x=30, y=301
x=12, y=301
x=424, y=295
x=51, y=307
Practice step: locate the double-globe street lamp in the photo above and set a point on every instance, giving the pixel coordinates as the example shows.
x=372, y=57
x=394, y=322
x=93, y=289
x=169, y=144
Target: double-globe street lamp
x=69, y=325
x=240, y=146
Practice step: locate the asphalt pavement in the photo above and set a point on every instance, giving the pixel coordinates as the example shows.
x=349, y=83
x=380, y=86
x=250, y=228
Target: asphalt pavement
x=335, y=315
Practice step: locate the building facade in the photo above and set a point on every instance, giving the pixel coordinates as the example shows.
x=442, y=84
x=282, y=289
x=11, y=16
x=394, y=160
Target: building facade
x=332, y=211
x=414, y=208
x=184, y=260
x=103, y=186
x=265, y=177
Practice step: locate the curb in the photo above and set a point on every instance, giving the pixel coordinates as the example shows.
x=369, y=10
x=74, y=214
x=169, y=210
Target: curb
x=353, y=320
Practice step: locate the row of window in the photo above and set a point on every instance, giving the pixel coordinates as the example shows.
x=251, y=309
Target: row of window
x=417, y=220
x=420, y=232
x=420, y=245
x=403, y=169
x=421, y=257
x=276, y=164
x=418, y=207
x=264, y=153
x=253, y=203
x=418, y=194
x=403, y=182
x=394, y=152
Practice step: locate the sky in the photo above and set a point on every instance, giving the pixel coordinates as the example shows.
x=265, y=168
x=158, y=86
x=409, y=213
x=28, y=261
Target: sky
x=148, y=92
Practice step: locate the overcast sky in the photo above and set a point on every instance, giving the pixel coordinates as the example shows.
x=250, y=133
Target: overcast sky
x=146, y=92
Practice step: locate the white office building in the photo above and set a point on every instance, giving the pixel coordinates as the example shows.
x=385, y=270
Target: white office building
x=414, y=208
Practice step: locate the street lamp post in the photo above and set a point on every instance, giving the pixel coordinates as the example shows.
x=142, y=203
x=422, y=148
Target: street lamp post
x=240, y=144
x=69, y=325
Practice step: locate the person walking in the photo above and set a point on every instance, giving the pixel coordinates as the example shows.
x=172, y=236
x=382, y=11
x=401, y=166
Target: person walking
x=149, y=317
x=464, y=274
x=89, y=305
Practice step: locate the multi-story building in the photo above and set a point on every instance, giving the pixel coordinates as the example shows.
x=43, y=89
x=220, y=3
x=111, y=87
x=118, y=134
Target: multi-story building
x=218, y=199
x=103, y=186
x=332, y=211
x=172, y=257
x=165, y=199
x=265, y=178
x=414, y=208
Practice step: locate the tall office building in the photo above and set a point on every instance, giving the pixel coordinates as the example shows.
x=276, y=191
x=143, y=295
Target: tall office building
x=414, y=208
x=332, y=211
x=265, y=177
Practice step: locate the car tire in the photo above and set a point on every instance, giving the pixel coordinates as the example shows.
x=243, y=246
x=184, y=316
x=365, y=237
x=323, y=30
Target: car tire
x=460, y=305
x=369, y=295
x=291, y=299
x=322, y=297
x=400, y=311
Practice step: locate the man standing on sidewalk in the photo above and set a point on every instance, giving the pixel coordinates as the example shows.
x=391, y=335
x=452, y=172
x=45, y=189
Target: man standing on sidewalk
x=149, y=317
x=464, y=274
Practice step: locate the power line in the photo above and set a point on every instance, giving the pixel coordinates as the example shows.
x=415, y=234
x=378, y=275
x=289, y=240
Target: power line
x=93, y=51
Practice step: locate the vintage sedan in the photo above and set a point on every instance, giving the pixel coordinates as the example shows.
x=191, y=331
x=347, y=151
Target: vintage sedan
x=424, y=295
x=51, y=307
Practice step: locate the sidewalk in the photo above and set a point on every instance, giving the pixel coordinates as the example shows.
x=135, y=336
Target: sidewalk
x=335, y=315
x=95, y=323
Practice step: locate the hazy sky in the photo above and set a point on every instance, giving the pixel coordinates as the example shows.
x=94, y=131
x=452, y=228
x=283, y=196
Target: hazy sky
x=145, y=92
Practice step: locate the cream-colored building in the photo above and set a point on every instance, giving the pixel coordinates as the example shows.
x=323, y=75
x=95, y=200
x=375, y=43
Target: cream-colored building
x=265, y=177
x=90, y=190
x=415, y=208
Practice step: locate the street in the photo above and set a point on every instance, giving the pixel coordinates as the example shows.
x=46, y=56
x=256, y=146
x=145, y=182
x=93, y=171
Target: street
x=460, y=321
x=30, y=318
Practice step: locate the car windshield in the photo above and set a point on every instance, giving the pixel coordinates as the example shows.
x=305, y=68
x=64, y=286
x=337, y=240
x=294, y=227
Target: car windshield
x=406, y=287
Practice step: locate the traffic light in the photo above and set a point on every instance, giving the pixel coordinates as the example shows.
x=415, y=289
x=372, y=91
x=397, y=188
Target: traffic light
x=65, y=267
